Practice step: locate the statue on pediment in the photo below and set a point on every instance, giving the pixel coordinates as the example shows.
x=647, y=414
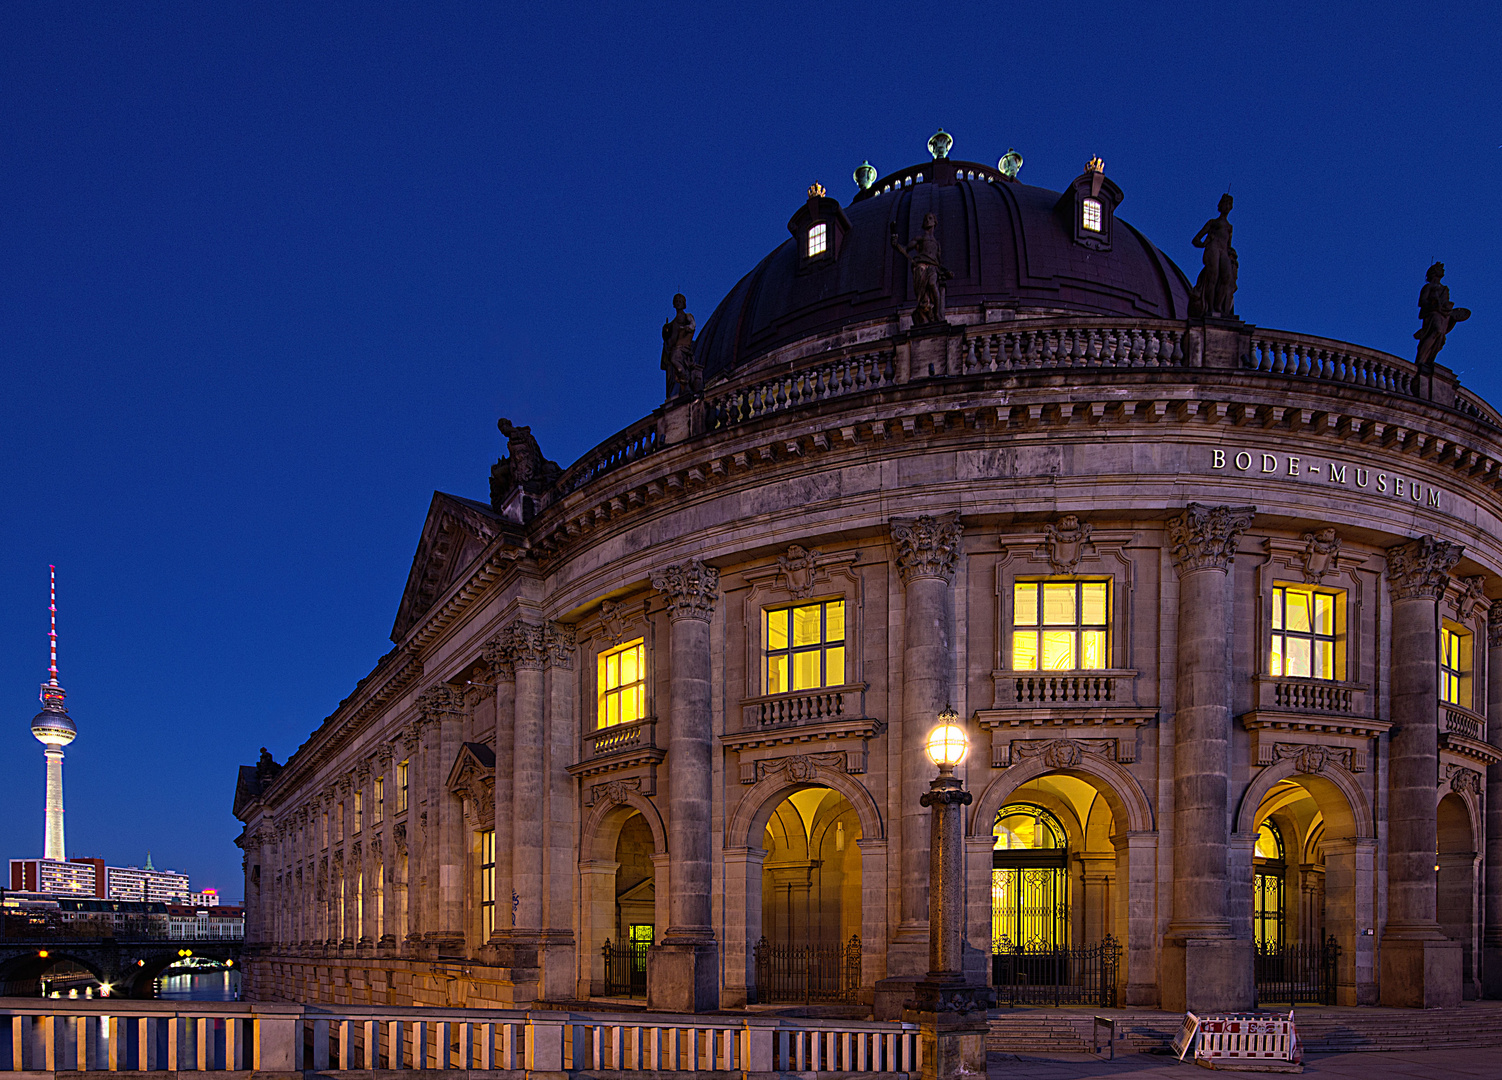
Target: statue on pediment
x=923, y=254
x=685, y=376
x=523, y=466
x=1438, y=315
x=1214, y=293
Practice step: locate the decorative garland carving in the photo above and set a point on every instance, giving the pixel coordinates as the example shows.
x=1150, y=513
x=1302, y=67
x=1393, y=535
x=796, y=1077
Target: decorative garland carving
x=927, y=547
x=615, y=792
x=1313, y=758
x=1205, y=537
x=801, y=768
x=1320, y=556
x=1494, y=627
x=1421, y=568
x=1061, y=753
x=691, y=589
x=1067, y=542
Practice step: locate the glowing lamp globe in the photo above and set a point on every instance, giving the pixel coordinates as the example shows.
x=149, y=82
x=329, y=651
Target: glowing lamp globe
x=947, y=742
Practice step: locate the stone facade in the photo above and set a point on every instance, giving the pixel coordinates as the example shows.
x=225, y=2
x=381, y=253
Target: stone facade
x=916, y=485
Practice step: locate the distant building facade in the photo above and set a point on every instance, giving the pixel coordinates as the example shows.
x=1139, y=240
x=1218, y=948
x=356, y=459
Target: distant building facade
x=1217, y=606
x=188, y=922
x=206, y=898
x=86, y=877
x=151, y=885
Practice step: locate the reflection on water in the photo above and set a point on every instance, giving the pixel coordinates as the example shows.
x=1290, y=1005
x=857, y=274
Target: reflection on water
x=209, y=986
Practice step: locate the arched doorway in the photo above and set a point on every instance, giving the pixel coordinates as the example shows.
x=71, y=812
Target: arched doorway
x=622, y=911
x=809, y=949
x=1053, y=895
x=1455, y=868
x=1295, y=959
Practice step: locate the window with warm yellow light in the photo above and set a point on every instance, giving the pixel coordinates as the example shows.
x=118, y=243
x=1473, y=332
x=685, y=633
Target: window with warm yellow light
x=1090, y=214
x=1307, y=633
x=803, y=646
x=1061, y=625
x=622, y=684
x=1454, y=666
x=401, y=785
x=487, y=884
x=818, y=239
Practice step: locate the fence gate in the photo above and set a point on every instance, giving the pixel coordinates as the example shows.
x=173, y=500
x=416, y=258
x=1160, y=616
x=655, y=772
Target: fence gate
x=808, y=973
x=1041, y=973
x=626, y=969
x=1297, y=972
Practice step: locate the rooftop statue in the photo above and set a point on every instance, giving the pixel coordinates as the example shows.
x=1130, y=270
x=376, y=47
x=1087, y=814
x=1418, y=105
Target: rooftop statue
x=685, y=377
x=523, y=466
x=923, y=254
x=1437, y=314
x=1215, y=292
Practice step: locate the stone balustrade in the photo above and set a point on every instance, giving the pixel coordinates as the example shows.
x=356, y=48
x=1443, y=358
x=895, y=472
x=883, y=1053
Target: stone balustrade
x=1454, y=720
x=803, y=707
x=1275, y=353
x=821, y=381
x=1035, y=689
x=275, y=1040
x=636, y=735
x=1081, y=346
x=632, y=444
x=1311, y=695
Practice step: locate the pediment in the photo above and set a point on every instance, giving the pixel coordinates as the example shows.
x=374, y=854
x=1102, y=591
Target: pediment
x=455, y=534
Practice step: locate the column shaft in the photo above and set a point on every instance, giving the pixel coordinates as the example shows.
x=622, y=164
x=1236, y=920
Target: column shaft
x=1491, y=941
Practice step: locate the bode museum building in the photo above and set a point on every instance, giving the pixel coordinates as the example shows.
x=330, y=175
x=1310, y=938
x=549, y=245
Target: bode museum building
x=1213, y=604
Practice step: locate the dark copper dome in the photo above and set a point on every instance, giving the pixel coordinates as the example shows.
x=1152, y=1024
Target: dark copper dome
x=1008, y=245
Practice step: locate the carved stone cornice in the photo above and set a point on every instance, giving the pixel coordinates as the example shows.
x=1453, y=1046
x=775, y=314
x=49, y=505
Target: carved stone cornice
x=440, y=701
x=1494, y=627
x=1420, y=569
x=927, y=547
x=691, y=589
x=1205, y=537
x=559, y=640
x=528, y=646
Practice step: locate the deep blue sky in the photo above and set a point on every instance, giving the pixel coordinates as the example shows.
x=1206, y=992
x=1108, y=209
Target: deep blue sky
x=270, y=272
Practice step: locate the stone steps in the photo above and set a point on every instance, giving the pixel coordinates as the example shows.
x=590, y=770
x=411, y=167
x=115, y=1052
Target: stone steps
x=1321, y=1033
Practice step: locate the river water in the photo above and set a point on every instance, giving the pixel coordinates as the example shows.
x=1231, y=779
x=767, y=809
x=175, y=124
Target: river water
x=208, y=986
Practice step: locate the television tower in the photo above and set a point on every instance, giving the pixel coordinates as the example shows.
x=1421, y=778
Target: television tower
x=54, y=729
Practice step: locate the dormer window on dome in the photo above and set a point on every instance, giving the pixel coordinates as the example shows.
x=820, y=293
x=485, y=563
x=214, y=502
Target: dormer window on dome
x=1090, y=207
x=819, y=228
x=818, y=239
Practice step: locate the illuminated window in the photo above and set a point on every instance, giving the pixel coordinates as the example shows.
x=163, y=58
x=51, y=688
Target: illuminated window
x=1306, y=633
x=818, y=239
x=359, y=810
x=487, y=884
x=1090, y=214
x=804, y=646
x=378, y=808
x=1267, y=887
x=623, y=684
x=401, y=786
x=1061, y=625
x=1454, y=657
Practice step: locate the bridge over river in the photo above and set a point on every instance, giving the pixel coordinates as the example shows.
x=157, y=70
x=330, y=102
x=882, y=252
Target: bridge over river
x=128, y=967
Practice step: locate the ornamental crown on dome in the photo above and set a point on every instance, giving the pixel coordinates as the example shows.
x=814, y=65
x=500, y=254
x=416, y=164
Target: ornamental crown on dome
x=816, y=190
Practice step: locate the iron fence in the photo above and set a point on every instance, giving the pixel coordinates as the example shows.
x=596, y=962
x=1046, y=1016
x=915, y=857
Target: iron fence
x=1042, y=973
x=808, y=973
x=1297, y=972
x=625, y=969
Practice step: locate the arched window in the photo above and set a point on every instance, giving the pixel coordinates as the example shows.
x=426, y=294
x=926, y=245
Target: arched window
x=1267, y=887
x=1029, y=880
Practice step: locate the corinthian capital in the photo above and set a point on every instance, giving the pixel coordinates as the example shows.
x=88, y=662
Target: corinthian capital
x=691, y=589
x=927, y=547
x=1206, y=536
x=559, y=639
x=498, y=659
x=528, y=646
x=1421, y=568
x=439, y=701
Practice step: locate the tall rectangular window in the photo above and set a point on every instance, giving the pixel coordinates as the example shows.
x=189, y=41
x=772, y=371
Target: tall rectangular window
x=623, y=684
x=359, y=810
x=401, y=786
x=1061, y=625
x=1090, y=215
x=325, y=829
x=804, y=646
x=818, y=239
x=1306, y=626
x=487, y=884
x=1453, y=688
x=339, y=814
x=378, y=807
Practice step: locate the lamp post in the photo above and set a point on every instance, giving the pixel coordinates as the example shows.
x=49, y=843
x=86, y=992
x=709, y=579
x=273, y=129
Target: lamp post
x=950, y=1012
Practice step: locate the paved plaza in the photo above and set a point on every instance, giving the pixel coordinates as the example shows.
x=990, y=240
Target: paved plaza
x=1429, y=1064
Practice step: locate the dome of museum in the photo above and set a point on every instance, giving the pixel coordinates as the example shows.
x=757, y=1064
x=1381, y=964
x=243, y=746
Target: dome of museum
x=1010, y=246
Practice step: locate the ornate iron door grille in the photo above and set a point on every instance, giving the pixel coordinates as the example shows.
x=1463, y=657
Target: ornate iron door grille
x=1037, y=973
x=1297, y=972
x=626, y=969
x=808, y=973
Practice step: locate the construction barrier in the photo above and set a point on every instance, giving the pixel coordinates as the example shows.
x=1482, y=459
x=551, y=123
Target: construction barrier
x=1239, y=1036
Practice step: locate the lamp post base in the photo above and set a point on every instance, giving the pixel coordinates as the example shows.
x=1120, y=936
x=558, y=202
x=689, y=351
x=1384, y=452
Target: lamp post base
x=951, y=1015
